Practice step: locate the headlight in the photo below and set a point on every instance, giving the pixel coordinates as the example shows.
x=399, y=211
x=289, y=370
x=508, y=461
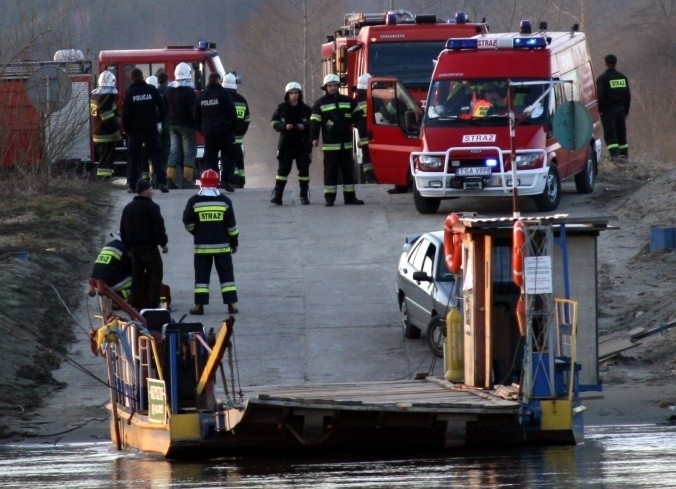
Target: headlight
x=528, y=159
x=429, y=163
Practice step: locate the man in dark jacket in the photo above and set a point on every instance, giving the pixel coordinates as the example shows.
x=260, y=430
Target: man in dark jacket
x=614, y=98
x=292, y=121
x=142, y=120
x=181, y=100
x=142, y=231
x=215, y=117
x=210, y=218
x=333, y=114
x=241, y=126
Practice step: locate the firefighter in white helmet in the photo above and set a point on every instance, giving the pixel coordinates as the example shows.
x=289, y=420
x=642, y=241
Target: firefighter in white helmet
x=292, y=121
x=241, y=126
x=333, y=115
x=105, y=124
x=360, y=116
x=181, y=99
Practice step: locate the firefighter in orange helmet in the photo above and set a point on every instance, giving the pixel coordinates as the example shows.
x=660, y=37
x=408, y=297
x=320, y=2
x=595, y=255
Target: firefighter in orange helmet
x=210, y=218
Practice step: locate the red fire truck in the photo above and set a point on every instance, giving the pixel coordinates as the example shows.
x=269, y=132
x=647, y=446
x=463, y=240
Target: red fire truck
x=498, y=100
x=203, y=58
x=44, y=111
x=393, y=44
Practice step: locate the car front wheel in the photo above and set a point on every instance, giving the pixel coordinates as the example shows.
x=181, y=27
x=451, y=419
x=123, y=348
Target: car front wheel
x=410, y=331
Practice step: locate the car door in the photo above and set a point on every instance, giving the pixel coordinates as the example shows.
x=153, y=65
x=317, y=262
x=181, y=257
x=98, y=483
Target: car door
x=419, y=294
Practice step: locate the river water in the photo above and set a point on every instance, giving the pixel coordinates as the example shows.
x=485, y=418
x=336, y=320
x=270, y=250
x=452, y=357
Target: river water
x=640, y=456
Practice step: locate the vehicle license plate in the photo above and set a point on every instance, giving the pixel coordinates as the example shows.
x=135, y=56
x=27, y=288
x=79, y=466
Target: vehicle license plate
x=472, y=184
x=470, y=171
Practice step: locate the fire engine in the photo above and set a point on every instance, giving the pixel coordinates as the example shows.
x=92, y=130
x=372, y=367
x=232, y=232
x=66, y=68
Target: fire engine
x=393, y=44
x=44, y=111
x=507, y=114
x=203, y=58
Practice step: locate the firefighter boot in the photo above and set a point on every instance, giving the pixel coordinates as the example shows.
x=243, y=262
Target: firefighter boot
x=278, y=192
x=304, y=193
x=189, y=177
x=197, y=310
x=330, y=199
x=171, y=177
x=351, y=199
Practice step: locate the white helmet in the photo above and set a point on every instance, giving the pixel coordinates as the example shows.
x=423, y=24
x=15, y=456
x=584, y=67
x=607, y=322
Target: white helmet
x=107, y=79
x=362, y=81
x=331, y=78
x=183, y=71
x=152, y=80
x=292, y=86
x=230, y=81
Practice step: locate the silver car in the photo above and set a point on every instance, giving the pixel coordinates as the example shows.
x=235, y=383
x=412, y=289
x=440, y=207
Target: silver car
x=426, y=289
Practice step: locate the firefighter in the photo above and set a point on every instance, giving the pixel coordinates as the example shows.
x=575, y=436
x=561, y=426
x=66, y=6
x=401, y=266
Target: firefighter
x=210, y=218
x=142, y=121
x=333, y=114
x=216, y=116
x=292, y=121
x=614, y=100
x=241, y=126
x=367, y=166
x=105, y=124
x=113, y=266
x=181, y=100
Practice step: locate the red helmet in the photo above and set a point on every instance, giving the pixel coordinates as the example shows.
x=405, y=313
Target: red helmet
x=209, y=179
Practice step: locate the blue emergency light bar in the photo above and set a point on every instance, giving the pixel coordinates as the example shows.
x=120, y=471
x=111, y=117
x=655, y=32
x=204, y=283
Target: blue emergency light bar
x=462, y=43
x=530, y=42
x=203, y=45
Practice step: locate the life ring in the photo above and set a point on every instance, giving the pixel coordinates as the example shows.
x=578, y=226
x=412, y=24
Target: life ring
x=518, y=242
x=452, y=244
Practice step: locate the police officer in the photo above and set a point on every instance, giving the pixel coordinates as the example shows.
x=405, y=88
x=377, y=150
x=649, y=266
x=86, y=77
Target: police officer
x=215, y=116
x=113, y=266
x=105, y=124
x=241, y=126
x=142, y=120
x=614, y=99
x=333, y=114
x=292, y=121
x=210, y=218
x=363, y=143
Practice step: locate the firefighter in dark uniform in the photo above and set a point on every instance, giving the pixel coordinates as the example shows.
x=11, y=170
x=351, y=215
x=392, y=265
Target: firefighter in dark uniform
x=210, y=218
x=292, y=121
x=142, y=231
x=215, y=117
x=614, y=98
x=113, y=266
x=105, y=124
x=360, y=116
x=142, y=120
x=241, y=126
x=333, y=114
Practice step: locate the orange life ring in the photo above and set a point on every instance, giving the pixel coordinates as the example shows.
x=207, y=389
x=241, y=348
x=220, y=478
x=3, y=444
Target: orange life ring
x=452, y=243
x=518, y=242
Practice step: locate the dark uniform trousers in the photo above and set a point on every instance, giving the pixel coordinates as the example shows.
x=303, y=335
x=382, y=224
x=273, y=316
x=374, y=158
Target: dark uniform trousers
x=226, y=276
x=146, y=260
x=286, y=158
x=239, y=177
x=334, y=162
x=615, y=130
x=215, y=145
x=139, y=143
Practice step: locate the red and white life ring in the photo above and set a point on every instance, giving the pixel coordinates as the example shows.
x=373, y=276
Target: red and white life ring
x=518, y=242
x=452, y=243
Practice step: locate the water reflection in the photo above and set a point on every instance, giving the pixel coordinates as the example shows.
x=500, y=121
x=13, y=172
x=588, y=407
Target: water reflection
x=626, y=456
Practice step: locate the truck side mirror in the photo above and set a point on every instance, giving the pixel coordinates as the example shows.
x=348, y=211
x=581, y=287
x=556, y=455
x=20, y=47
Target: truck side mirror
x=411, y=125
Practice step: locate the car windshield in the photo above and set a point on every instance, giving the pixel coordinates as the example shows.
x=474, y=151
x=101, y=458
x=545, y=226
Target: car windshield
x=410, y=62
x=484, y=100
